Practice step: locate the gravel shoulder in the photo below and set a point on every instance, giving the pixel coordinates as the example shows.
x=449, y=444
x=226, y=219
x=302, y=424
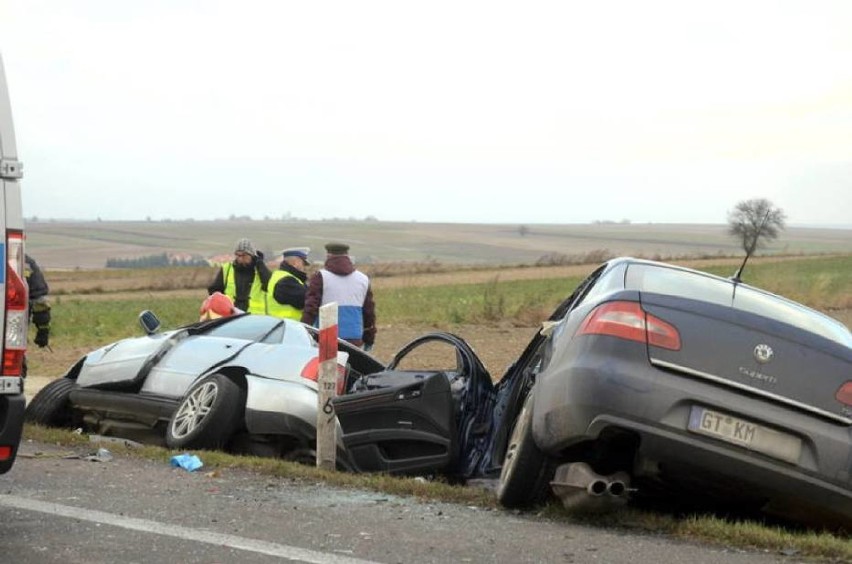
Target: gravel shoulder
x=236, y=507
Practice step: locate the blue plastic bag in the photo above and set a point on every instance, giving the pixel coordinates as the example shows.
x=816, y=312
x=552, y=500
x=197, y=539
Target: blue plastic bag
x=187, y=461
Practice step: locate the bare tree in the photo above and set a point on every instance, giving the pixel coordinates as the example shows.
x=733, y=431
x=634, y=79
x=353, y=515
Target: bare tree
x=754, y=222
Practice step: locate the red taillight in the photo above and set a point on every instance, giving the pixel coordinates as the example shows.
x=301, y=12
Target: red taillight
x=15, y=336
x=5, y=452
x=662, y=334
x=311, y=369
x=627, y=320
x=311, y=372
x=844, y=394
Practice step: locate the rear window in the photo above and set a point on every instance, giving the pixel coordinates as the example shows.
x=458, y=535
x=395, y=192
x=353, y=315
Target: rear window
x=708, y=288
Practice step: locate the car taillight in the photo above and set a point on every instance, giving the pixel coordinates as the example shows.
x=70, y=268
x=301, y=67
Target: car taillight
x=15, y=337
x=627, y=320
x=844, y=394
x=311, y=372
x=5, y=452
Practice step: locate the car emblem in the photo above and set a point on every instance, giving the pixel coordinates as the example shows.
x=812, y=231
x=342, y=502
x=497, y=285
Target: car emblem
x=763, y=353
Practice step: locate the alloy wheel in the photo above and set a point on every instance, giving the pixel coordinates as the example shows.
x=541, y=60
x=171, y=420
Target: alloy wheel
x=194, y=409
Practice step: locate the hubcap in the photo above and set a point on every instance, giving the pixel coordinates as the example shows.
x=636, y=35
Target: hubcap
x=194, y=409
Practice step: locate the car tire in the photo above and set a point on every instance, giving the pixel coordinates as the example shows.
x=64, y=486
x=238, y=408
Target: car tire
x=526, y=471
x=208, y=415
x=51, y=406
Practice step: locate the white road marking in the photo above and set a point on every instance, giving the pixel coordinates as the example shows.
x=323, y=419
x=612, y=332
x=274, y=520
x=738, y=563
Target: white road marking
x=176, y=531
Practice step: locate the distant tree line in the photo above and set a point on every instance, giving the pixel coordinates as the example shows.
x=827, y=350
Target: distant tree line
x=152, y=261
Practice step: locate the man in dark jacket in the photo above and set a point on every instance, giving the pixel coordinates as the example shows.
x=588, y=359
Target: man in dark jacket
x=39, y=304
x=244, y=279
x=339, y=281
x=285, y=296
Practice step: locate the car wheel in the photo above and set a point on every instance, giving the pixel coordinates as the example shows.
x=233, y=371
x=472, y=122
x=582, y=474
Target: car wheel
x=526, y=470
x=208, y=415
x=50, y=405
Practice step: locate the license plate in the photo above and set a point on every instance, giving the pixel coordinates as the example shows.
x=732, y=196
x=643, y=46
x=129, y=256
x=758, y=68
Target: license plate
x=745, y=433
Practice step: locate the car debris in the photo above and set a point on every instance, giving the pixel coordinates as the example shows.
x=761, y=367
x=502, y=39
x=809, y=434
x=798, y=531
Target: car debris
x=188, y=462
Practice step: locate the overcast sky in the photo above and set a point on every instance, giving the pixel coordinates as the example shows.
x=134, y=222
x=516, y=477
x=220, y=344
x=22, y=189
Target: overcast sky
x=517, y=112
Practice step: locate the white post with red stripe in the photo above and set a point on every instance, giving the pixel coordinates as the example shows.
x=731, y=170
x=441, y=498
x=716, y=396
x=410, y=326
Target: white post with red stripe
x=327, y=388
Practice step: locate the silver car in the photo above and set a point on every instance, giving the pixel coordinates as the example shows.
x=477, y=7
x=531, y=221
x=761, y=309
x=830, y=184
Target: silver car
x=246, y=383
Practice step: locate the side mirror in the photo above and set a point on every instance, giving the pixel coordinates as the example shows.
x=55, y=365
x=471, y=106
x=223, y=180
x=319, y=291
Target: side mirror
x=149, y=322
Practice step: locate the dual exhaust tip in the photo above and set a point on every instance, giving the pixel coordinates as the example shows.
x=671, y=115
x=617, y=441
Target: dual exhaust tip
x=581, y=488
x=616, y=488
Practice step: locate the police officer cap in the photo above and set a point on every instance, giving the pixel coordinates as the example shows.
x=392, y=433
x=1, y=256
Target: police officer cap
x=301, y=252
x=337, y=248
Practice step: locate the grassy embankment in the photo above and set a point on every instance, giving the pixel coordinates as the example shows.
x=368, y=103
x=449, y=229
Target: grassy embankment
x=822, y=283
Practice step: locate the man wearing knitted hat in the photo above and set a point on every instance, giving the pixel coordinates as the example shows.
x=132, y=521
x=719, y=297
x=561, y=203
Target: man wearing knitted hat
x=339, y=281
x=244, y=279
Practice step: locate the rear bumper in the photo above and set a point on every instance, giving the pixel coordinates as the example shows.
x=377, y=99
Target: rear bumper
x=685, y=457
x=11, y=426
x=580, y=402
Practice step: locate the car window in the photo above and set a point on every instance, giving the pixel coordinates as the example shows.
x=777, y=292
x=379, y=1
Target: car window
x=708, y=288
x=433, y=356
x=601, y=281
x=249, y=327
x=579, y=295
x=681, y=283
x=792, y=313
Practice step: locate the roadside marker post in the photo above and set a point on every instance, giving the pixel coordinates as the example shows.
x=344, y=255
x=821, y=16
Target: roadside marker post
x=327, y=384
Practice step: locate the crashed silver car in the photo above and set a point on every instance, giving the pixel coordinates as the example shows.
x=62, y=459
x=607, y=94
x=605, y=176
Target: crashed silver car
x=245, y=382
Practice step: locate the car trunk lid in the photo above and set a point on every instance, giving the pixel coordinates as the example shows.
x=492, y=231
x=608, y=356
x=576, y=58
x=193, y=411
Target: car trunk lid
x=733, y=345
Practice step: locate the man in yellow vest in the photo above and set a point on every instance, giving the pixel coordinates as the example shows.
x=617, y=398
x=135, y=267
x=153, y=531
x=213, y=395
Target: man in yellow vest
x=244, y=279
x=287, y=285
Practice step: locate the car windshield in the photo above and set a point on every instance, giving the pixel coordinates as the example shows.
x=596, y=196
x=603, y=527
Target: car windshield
x=660, y=279
x=249, y=327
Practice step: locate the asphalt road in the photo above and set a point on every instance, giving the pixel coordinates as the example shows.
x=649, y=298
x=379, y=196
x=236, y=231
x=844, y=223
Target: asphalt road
x=69, y=510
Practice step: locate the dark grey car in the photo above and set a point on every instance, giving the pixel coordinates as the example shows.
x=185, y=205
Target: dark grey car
x=685, y=381
x=648, y=380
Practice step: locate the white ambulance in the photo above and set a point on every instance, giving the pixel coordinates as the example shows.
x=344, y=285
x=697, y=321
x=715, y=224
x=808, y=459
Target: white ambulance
x=13, y=288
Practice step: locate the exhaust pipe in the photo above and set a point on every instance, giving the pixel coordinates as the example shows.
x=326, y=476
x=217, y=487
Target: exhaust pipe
x=617, y=488
x=581, y=488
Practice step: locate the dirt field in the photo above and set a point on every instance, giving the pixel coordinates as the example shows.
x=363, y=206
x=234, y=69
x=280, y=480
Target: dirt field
x=88, y=244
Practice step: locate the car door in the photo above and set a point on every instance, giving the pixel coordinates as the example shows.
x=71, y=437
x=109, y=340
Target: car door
x=421, y=414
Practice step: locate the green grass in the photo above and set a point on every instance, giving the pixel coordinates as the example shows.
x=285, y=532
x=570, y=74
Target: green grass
x=822, y=283
x=80, y=323
x=473, y=303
